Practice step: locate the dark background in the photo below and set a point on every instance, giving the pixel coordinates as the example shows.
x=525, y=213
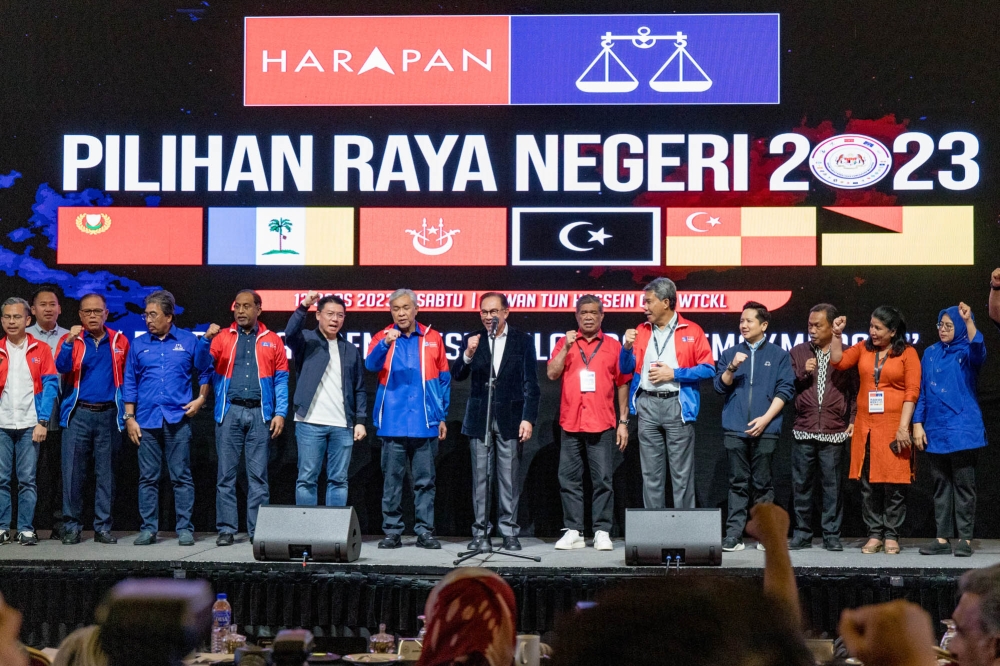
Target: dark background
x=156, y=68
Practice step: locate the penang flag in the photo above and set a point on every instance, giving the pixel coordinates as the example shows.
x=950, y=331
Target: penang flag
x=129, y=236
x=281, y=236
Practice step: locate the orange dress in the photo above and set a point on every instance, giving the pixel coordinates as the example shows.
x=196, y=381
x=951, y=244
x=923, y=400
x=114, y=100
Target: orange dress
x=900, y=381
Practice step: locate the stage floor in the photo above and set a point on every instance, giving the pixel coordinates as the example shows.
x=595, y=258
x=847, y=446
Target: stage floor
x=413, y=561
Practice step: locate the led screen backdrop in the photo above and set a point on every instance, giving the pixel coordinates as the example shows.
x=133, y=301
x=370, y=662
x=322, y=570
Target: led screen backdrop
x=804, y=153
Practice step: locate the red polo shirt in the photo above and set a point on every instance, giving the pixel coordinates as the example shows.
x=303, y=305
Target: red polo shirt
x=594, y=411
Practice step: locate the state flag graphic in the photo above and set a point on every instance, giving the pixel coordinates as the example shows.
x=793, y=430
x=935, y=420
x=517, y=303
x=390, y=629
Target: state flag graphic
x=147, y=236
x=585, y=237
x=281, y=236
x=903, y=236
x=762, y=236
x=433, y=237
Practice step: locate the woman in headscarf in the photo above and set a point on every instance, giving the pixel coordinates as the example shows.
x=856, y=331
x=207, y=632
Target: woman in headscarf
x=470, y=620
x=948, y=424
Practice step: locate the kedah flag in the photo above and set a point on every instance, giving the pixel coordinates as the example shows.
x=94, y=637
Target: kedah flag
x=133, y=236
x=776, y=236
x=433, y=237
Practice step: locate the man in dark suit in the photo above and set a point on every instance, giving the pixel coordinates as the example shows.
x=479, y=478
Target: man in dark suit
x=515, y=409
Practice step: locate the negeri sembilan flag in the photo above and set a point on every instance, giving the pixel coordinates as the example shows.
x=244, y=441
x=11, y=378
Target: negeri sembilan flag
x=281, y=236
x=777, y=236
x=134, y=236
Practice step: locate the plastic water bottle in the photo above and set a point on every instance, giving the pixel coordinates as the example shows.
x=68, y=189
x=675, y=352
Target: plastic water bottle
x=222, y=617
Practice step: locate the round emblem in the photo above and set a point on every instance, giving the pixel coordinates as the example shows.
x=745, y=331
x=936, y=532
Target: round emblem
x=850, y=161
x=93, y=223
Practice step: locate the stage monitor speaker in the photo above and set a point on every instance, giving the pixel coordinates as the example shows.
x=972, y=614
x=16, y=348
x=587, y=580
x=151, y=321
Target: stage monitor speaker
x=673, y=537
x=314, y=533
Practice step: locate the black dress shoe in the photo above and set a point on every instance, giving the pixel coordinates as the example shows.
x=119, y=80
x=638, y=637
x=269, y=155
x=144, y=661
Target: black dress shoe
x=390, y=541
x=936, y=548
x=511, y=543
x=833, y=544
x=798, y=543
x=105, y=537
x=70, y=537
x=427, y=540
x=478, y=542
x=225, y=539
x=963, y=548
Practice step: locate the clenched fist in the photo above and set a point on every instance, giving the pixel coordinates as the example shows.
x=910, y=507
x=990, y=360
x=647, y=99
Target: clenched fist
x=965, y=311
x=473, y=345
x=995, y=278
x=74, y=333
x=212, y=331
x=811, y=365
x=629, y=338
x=310, y=299
x=391, y=335
x=570, y=338
x=839, y=324
x=738, y=359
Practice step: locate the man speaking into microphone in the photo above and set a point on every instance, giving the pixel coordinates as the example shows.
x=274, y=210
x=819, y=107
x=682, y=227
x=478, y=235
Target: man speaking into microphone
x=513, y=414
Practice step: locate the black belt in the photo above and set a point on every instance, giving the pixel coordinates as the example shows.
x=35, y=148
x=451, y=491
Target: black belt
x=250, y=404
x=95, y=406
x=661, y=394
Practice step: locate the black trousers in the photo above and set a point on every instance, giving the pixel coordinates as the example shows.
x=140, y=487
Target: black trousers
x=883, y=505
x=807, y=456
x=954, y=493
x=749, y=465
x=599, y=449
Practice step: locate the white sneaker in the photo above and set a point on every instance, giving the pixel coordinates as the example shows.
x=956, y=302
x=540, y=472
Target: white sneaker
x=760, y=546
x=602, y=541
x=572, y=539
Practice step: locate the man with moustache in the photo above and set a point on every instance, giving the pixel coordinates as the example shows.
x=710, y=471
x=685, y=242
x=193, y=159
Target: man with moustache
x=825, y=406
x=251, y=400
x=675, y=358
x=587, y=360
x=411, y=405
x=330, y=401
x=92, y=358
x=756, y=379
x=158, y=410
x=514, y=411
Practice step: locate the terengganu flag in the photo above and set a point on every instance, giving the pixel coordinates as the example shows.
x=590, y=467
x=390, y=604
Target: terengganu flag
x=137, y=236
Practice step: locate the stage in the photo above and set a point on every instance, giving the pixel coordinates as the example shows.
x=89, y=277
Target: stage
x=57, y=587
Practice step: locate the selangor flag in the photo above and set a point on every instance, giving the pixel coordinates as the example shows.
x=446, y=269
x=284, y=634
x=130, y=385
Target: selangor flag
x=920, y=236
x=433, y=237
x=780, y=236
x=281, y=236
x=133, y=236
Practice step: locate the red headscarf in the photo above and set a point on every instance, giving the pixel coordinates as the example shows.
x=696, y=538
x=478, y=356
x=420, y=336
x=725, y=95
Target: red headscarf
x=470, y=613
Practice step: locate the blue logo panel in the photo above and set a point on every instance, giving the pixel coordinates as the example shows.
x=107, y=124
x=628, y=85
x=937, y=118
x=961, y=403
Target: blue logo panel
x=645, y=59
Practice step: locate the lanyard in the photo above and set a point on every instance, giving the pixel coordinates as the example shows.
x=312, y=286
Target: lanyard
x=586, y=361
x=878, y=366
x=656, y=344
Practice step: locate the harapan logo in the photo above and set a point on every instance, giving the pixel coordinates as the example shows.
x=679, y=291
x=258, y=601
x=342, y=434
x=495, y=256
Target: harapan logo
x=93, y=223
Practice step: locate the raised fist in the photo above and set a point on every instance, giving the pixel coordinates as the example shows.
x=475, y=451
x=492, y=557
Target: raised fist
x=811, y=365
x=570, y=338
x=310, y=299
x=738, y=359
x=212, y=331
x=473, y=345
x=839, y=324
x=995, y=278
x=74, y=333
x=629, y=338
x=965, y=311
x=391, y=335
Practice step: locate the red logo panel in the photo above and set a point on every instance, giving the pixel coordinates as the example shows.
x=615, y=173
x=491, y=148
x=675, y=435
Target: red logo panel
x=433, y=237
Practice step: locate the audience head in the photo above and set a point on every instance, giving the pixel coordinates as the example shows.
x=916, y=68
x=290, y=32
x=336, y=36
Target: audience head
x=977, y=618
x=688, y=621
x=470, y=619
x=11, y=653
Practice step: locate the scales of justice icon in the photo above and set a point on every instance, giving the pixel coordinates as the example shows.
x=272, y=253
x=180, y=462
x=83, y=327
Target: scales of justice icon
x=642, y=39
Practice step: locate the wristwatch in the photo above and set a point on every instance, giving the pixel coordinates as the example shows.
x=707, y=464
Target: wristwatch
x=126, y=416
x=992, y=287
x=623, y=422
x=43, y=422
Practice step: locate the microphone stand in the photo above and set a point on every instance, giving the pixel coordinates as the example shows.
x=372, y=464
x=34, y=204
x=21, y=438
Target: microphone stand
x=485, y=549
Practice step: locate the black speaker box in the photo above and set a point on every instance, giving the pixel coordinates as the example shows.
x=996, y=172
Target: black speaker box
x=673, y=537
x=314, y=533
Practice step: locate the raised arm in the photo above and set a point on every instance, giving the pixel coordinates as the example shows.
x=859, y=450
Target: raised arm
x=995, y=296
x=557, y=363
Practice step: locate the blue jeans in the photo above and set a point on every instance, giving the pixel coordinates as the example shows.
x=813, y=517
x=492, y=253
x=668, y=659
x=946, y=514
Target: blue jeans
x=90, y=434
x=17, y=445
x=316, y=442
x=420, y=454
x=174, y=441
x=242, y=430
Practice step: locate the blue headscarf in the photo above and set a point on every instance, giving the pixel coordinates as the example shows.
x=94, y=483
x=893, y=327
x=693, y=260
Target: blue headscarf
x=949, y=363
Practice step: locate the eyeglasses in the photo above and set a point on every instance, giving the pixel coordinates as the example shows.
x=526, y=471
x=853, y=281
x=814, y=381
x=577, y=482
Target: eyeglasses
x=150, y=315
x=946, y=327
x=92, y=312
x=490, y=313
x=334, y=315
x=13, y=317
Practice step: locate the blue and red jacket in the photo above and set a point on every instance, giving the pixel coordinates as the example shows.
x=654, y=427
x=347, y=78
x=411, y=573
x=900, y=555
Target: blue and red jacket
x=434, y=371
x=44, y=378
x=272, y=370
x=694, y=358
x=119, y=352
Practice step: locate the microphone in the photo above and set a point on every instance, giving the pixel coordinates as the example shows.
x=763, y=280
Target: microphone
x=493, y=327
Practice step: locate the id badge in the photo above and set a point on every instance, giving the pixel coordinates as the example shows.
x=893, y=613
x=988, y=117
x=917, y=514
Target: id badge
x=588, y=381
x=876, y=402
